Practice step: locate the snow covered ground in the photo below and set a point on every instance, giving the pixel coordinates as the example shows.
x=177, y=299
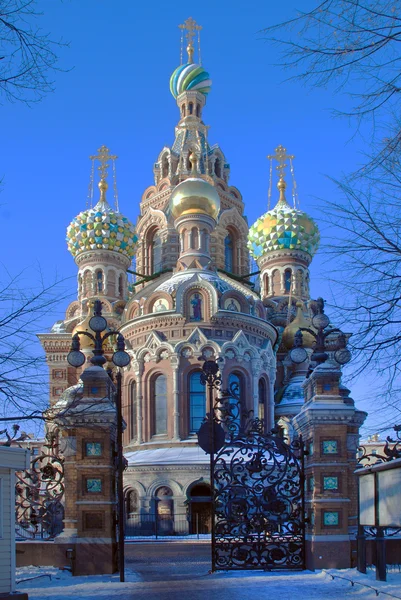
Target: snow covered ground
x=52, y=583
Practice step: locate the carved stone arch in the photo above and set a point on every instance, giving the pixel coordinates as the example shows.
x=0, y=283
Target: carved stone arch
x=106, y=306
x=236, y=295
x=132, y=311
x=148, y=193
x=150, y=302
x=260, y=310
x=232, y=217
x=119, y=306
x=235, y=192
x=189, y=486
x=164, y=184
x=72, y=310
x=209, y=297
x=175, y=487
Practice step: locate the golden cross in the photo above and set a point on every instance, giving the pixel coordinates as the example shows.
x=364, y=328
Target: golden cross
x=103, y=157
x=280, y=156
x=190, y=26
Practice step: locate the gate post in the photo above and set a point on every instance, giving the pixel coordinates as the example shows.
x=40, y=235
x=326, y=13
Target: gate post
x=329, y=424
x=87, y=421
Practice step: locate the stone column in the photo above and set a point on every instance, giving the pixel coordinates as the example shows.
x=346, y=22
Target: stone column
x=139, y=400
x=176, y=398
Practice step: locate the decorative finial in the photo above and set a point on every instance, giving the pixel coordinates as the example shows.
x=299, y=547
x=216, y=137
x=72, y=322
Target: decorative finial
x=280, y=155
x=104, y=157
x=190, y=26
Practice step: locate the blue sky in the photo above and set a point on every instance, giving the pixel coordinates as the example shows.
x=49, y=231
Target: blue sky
x=115, y=91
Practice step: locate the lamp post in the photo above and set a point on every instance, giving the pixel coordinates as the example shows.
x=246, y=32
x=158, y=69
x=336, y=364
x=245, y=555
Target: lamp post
x=320, y=322
x=120, y=358
x=213, y=439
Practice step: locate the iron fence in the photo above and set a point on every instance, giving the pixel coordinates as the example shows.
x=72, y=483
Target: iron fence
x=156, y=525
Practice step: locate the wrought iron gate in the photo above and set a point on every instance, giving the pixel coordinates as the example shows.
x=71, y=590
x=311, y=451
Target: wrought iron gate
x=258, y=492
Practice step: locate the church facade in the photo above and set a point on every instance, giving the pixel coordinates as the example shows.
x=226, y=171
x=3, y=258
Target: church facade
x=192, y=300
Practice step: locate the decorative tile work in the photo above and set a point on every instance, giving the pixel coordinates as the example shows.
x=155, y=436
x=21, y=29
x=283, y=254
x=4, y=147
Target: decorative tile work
x=93, y=485
x=331, y=519
x=330, y=447
x=93, y=449
x=330, y=482
x=310, y=448
x=311, y=484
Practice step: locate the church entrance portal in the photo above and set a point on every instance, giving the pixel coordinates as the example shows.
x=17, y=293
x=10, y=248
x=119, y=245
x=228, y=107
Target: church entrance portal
x=200, y=509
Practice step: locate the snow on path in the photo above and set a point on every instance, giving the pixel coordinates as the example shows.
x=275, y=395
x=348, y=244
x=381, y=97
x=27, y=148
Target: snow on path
x=235, y=585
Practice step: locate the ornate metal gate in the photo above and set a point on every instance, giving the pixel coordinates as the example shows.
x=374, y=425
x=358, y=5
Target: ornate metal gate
x=258, y=492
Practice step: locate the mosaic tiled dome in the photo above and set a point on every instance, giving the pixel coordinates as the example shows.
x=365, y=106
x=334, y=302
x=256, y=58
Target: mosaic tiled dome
x=283, y=228
x=101, y=227
x=190, y=77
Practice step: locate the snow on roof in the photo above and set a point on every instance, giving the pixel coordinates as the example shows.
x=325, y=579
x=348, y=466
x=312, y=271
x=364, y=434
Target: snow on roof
x=168, y=456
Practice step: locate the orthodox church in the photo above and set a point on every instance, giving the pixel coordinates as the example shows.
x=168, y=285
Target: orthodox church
x=192, y=298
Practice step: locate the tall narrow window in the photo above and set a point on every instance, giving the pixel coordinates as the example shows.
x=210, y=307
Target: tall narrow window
x=228, y=253
x=159, y=393
x=287, y=280
x=99, y=281
x=133, y=411
x=197, y=402
x=156, y=253
x=262, y=398
x=121, y=286
x=236, y=386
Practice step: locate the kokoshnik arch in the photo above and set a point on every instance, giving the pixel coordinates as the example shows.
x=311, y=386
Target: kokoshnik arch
x=192, y=300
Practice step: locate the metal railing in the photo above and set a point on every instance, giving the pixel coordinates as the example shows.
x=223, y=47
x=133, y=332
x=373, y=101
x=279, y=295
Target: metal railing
x=155, y=525
x=40, y=530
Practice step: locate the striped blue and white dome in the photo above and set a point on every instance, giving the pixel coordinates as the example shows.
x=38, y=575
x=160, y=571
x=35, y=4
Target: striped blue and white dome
x=190, y=77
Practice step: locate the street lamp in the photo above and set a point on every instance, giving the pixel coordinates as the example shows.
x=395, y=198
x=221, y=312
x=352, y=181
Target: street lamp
x=120, y=358
x=320, y=322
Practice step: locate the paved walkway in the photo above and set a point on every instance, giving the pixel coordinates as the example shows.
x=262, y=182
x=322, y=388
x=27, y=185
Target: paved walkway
x=175, y=571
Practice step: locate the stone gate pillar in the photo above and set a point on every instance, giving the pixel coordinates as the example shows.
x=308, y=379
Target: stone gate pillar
x=88, y=443
x=329, y=424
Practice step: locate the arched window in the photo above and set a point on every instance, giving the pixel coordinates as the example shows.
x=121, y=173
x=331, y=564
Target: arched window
x=194, y=238
x=217, y=167
x=262, y=398
x=191, y=108
x=287, y=280
x=156, y=253
x=198, y=110
x=266, y=284
x=121, y=285
x=236, y=386
x=165, y=166
x=133, y=411
x=159, y=404
x=197, y=401
x=131, y=502
x=228, y=253
x=99, y=282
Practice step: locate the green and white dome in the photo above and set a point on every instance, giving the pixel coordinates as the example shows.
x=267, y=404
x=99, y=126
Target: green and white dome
x=190, y=78
x=101, y=227
x=283, y=228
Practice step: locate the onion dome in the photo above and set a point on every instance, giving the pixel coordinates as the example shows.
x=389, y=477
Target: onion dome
x=85, y=342
x=289, y=332
x=195, y=195
x=283, y=228
x=101, y=227
x=190, y=78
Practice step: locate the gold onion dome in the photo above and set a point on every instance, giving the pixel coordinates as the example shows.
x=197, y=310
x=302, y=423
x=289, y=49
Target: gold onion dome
x=101, y=227
x=195, y=196
x=85, y=342
x=291, y=329
x=283, y=228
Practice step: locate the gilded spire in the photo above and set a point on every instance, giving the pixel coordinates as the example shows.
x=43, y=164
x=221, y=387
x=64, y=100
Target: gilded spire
x=104, y=157
x=280, y=155
x=190, y=27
